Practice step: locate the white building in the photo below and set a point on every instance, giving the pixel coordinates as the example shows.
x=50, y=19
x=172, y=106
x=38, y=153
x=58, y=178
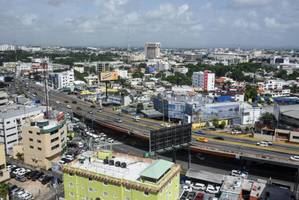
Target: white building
x=122, y=73
x=249, y=114
x=61, y=80
x=204, y=80
x=152, y=50
x=7, y=47
x=11, y=120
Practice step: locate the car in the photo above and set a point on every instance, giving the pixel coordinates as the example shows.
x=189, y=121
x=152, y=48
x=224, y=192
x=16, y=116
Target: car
x=27, y=196
x=110, y=140
x=199, y=132
x=36, y=176
x=212, y=190
x=187, y=188
x=199, y=186
x=236, y=132
x=21, y=178
x=74, y=102
x=294, y=158
x=9, y=167
x=66, y=101
x=79, y=108
x=46, y=180
x=20, y=193
x=184, y=194
x=118, y=120
x=41, y=177
x=218, y=138
x=100, y=110
x=90, y=112
x=31, y=174
x=57, y=102
x=16, y=190
x=262, y=144
x=69, y=106
x=92, y=106
x=62, y=162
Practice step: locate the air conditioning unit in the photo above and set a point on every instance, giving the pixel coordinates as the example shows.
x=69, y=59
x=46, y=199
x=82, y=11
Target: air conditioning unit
x=117, y=164
x=111, y=162
x=123, y=165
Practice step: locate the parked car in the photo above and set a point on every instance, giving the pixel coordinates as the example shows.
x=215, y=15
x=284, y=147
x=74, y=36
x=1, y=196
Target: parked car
x=41, y=178
x=262, y=144
x=21, y=178
x=199, y=196
x=46, y=180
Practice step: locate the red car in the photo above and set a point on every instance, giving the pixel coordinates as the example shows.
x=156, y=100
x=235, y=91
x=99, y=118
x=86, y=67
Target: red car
x=199, y=196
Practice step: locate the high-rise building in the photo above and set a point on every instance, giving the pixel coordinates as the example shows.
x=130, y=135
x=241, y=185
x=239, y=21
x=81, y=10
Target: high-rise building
x=44, y=140
x=12, y=119
x=204, y=80
x=4, y=174
x=112, y=176
x=152, y=50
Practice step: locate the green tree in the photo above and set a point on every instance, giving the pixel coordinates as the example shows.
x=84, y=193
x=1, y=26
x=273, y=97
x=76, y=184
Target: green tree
x=268, y=119
x=140, y=107
x=3, y=191
x=215, y=123
x=20, y=156
x=251, y=92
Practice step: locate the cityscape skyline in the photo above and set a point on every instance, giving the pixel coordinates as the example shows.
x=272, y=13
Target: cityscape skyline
x=122, y=23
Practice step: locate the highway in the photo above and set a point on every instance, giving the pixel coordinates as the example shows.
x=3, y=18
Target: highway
x=229, y=147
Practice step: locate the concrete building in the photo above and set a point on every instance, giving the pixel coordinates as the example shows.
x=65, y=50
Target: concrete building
x=3, y=98
x=107, y=176
x=44, y=140
x=152, y=50
x=249, y=114
x=12, y=119
x=4, y=173
x=204, y=80
x=7, y=47
x=61, y=80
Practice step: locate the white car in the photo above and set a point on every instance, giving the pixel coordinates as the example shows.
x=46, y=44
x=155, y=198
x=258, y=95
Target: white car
x=262, y=144
x=187, y=182
x=213, y=190
x=110, y=140
x=294, y=158
x=9, y=167
x=199, y=186
x=187, y=188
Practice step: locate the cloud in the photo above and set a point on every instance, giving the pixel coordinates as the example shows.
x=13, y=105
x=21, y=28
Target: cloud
x=28, y=19
x=272, y=23
x=251, y=2
x=56, y=3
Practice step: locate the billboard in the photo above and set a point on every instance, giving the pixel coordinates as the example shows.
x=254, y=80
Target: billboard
x=108, y=76
x=167, y=138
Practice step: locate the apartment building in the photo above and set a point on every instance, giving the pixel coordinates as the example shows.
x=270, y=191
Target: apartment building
x=12, y=119
x=204, y=80
x=44, y=140
x=61, y=80
x=113, y=176
x=3, y=98
x=4, y=174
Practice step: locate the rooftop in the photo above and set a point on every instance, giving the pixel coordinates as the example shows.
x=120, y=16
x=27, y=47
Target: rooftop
x=157, y=169
x=16, y=110
x=135, y=166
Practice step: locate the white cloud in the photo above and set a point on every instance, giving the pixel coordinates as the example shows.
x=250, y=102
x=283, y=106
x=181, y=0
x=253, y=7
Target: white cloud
x=28, y=19
x=271, y=22
x=251, y=2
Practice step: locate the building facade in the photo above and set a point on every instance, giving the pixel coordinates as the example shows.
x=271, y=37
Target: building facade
x=99, y=176
x=204, y=80
x=3, y=98
x=62, y=79
x=152, y=50
x=44, y=140
x=11, y=121
x=4, y=173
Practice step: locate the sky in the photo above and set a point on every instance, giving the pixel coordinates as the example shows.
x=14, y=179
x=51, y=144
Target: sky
x=174, y=23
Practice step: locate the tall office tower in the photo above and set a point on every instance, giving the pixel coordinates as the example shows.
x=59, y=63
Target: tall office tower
x=152, y=50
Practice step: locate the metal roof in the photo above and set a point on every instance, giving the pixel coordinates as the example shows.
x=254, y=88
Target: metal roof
x=156, y=169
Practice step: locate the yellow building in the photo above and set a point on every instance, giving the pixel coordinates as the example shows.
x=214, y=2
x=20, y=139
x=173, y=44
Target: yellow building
x=44, y=140
x=4, y=174
x=115, y=176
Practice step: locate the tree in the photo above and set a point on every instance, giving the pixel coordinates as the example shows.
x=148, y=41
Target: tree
x=137, y=74
x=268, y=119
x=3, y=191
x=250, y=92
x=20, y=156
x=140, y=107
x=215, y=123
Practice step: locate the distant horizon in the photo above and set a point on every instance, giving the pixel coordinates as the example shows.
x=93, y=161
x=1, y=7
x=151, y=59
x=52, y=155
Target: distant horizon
x=162, y=46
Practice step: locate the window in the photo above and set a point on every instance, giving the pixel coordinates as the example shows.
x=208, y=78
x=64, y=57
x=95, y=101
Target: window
x=8, y=122
x=127, y=189
x=71, y=194
x=90, y=189
x=30, y=139
x=11, y=141
x=54, y=139
x=62, y=133
x=11, y=135
x=146, y=193
x=37, y=133
x=10, y=128
x=30, y=132
x=105, y=194
x=55, y=147
x=71, y=184
x=39, y=148
x=105, y=183
x=39, y=141
x=296, y=137
x=31, y=147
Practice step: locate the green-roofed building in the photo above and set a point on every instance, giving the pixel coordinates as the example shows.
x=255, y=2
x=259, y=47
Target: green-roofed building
x=138, y=179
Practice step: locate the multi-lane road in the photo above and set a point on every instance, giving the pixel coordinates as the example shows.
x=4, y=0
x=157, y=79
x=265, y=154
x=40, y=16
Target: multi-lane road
x=229, y=147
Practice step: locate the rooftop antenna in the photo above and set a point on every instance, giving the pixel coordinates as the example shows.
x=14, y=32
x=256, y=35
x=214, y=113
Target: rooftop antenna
x=44, y=65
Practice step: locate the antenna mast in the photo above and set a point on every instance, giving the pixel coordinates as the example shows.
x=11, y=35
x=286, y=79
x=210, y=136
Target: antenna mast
x=45, y=69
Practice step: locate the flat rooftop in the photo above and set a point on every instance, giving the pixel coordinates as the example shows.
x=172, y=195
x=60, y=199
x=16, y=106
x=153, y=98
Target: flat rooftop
x=135, y=165
x=17, y=110
x=290, y=110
